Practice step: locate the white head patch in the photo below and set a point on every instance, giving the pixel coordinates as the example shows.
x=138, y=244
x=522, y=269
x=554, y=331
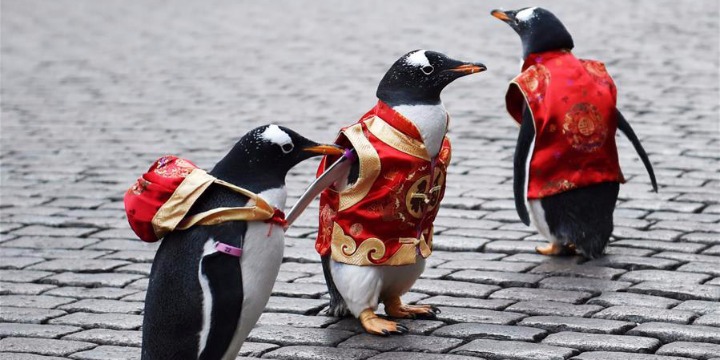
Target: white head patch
x=526, y=14
x=418, y=59
x=275, y=135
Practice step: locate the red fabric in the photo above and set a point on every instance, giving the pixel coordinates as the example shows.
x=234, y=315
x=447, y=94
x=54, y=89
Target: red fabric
x=151, y=191
x=387, y=213
x=278, y=218
x=573, y=105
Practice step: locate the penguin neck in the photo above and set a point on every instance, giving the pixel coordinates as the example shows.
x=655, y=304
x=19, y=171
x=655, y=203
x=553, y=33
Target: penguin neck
x=246, y=173
x=430, y=120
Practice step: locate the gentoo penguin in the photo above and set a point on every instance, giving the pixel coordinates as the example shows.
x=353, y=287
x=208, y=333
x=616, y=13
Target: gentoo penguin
x=566, y=169
x=376, y=222
x=202, y=302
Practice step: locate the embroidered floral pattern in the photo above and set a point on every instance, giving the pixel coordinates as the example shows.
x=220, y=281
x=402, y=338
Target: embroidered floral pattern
x=584, y=127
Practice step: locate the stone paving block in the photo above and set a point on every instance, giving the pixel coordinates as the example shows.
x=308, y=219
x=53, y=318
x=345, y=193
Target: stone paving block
x=407, y=342
x=700, y=306
x=714, y=250
x=18, y=262
x=146, y=256
x=125, y=233
x=434, y=273
x=35, y=330
x=524, y=257
x=296, y=320
x=593, y=286
x=633, y=262
x=113, y=321
x=319, y=353
x=295, y=305
x=504, y=279
x=621, y=250
x=701, y=267
x=639, y=314
x=91, y=280
x=123, y=245
x=79, y=265
x=678, y=291
x=513, y=350
x=685, y=247
x=572, y=269
x=22, y=356
x=490, y=304
x=417, y=327
x=51, y=253
x=608, y=299
x=602, y=342
x=458, y=243
x=513, y=247
x=614, y=355
x=579, y=324
x=254, y=349
x=285, y=335
x=684, y=257
x=526, y=294
x=552, y=308
x=456, y=315
x=664, y=276
x=23, y=276
x=43, y=346
x=27, y=314
x=675, y=332
x=105, y=352
x=8, y=288
x=491, y=331
x=141, y=284
x=40, y=230
x=508, y=266
x=709, y=319
x=420, y=356
x=693, y=350
x=104, y=306
x=460, y=256
x=298, y=290
x=36, y=301
x=453, y=288
x=108, y=337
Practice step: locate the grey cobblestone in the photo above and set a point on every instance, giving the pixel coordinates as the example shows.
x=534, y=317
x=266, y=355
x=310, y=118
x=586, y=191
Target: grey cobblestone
x=408, y=342
x=602, y=342
x=92, y=96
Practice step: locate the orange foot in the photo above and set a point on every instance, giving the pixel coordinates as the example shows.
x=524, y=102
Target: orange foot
x=395, y=308
x=378, y=326
x=556, y=249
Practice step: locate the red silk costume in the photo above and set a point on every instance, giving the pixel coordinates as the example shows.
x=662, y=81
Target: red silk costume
x=386, y=217
x=573, y=107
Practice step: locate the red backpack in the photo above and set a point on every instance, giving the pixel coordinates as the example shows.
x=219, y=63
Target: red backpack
x=159, y=201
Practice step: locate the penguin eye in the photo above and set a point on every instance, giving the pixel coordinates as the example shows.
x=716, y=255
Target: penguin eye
x=286, y=148
x=427, y=69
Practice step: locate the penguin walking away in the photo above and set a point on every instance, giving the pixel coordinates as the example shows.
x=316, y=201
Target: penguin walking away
x=566, y=168
x=376, y=222
x=210, y=283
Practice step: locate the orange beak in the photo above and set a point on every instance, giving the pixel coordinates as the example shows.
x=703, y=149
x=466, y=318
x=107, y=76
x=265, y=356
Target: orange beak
x=500, y=15
x=325, y=149
x=468, y=69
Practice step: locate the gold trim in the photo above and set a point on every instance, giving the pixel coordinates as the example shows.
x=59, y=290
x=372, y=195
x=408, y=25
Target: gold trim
x=176, y=207
x=345, y=250
x=369, y=168
x=396, y=139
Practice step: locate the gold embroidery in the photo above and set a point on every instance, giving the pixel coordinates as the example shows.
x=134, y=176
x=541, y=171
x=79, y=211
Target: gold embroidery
x=396, y=139
x=370, y=251
x=176, y=207
x=369, y=168
x=584, y=128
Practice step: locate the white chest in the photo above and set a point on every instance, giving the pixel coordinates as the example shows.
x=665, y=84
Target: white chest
x=431, y=120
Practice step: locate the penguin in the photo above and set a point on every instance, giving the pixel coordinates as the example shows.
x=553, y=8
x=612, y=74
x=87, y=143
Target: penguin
x=376, y=221
x=566, y=170
x=202, y=302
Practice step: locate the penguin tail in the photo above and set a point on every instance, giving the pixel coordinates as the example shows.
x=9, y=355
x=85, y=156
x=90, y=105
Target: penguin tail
x=337, y=306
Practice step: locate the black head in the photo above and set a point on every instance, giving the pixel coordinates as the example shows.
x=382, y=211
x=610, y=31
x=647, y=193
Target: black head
x=419, y=76
x=539, y=29
x=266, y=154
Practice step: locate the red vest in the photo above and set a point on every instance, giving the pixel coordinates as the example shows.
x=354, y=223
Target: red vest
x=386, y=217
x=573, y=107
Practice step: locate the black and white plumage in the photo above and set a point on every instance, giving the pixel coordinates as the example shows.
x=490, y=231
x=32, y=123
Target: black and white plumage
x=412, y=87
x=202, y=303
x=576, y=220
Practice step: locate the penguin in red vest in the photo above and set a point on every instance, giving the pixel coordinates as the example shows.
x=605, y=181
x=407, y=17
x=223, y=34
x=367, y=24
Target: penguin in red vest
x=376, y=223
x=566, y=169
x=210, y=283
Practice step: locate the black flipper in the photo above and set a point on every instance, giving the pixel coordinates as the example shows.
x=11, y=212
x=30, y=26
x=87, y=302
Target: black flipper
x=225, y=281
x=625, y=127
x=583, y=216
x=522, y=151
x=337, y=305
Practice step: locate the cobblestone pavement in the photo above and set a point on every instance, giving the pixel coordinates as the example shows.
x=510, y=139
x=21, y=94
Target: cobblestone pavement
x=93, y=91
